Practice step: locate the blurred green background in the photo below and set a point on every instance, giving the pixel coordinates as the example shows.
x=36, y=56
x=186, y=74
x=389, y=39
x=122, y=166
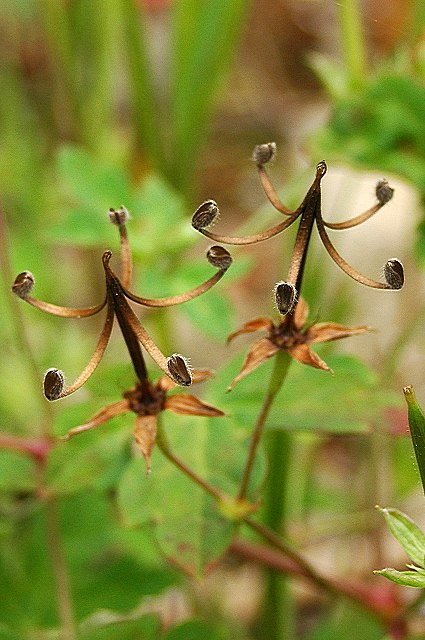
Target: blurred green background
x=157, y=105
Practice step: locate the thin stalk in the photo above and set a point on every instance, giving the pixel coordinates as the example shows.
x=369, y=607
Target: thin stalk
x=353, y=43
x=164, y=447
x=281, y=365
x=60, y=571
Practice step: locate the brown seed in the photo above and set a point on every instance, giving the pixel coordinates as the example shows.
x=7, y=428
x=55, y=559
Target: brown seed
x=205, y=215
x=285, y=296
x=219, y=257
x=383, y=191
x=263, y=153
x=53, y=384
x=179, y=370
x=23, y=284
x=394, y=273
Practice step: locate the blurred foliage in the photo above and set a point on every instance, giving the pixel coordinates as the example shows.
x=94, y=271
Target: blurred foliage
x=90, y=119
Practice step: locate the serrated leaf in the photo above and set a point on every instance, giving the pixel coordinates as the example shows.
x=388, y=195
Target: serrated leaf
x=403, y=578
x=408, y=534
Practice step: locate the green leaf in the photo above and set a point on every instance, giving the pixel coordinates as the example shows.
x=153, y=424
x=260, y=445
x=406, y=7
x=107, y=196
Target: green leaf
x=211, y=313
x=17, y=472
x=146, y=627
x=417, y=430
x=403, y=578
x=205, y=36
x=191, y=532
x=90, y=182
x=357, y=399
x=407, y=533
x=93, y=459
x=196, y=630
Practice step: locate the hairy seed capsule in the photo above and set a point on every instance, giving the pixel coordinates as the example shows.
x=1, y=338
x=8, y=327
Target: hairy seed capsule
x=285, y=296
x=394, y=273
x=219, y=257
x=383, y=191
x=263, y=153
x=53, y=384
x=23, y=284
x=179, y=370
x=118, y=216
x=205, y=215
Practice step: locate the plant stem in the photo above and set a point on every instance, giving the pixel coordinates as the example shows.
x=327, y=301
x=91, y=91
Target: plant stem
x=164, y=446
x=60, y=571
x=281, y=364
x=352, y=42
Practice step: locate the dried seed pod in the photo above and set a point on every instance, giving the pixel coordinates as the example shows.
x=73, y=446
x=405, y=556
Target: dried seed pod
x=285, y=296
x=394, y=273
x=23, y=284
x=179, y=370
x=118, y=216
x=205, y=215
x=383, y=191
x=53, y=384
x=219, y=257
x=263, y=153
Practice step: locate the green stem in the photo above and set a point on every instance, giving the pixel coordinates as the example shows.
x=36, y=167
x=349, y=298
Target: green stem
x=60, y=571
x=164, y=447
x=352, y=42
x=281, y=365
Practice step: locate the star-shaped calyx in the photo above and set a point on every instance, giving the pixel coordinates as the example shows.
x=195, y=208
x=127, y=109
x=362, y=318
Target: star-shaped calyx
x=292, y=335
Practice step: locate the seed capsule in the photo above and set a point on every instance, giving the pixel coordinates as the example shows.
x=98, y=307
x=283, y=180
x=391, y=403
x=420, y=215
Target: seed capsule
x=53, y=384
x=219, y=257
x=394, y=273
x=285, y=295
x=383, y=191
x=205, y=215
x=263, y=153
x=23, y=284
x=118, y=216
x=179, y=370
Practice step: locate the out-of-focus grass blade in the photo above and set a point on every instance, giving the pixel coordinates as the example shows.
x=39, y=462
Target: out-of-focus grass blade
x=145, y=111
x=417, y=429
x=205, y=36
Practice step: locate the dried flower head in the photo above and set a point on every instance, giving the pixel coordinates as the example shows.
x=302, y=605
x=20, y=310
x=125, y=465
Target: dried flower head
x=293, y=335
x=117, y=307
x=309, y=213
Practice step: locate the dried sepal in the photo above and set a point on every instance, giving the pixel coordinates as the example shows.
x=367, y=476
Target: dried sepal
x=205, y=215
x=285, y=295
x=263, y=153
x=394, y=273
x=260, y=351
x=189, y=405
x=23, y=285
x=258, y=324
x=303, y=354
x=329, y=331
x=383, y=192
x=179, y=369
x=53, y=384
x=219, y=257
x=145, y=435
